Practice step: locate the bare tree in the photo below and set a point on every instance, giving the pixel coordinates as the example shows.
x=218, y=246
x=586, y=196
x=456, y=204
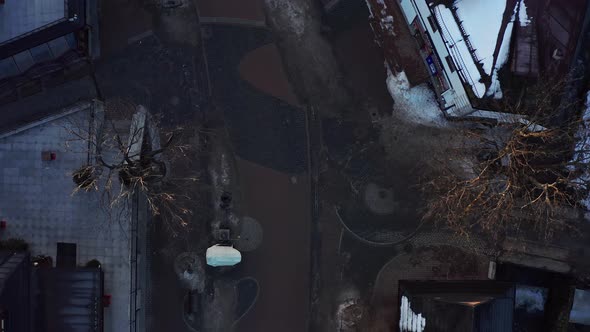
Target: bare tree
x=526, y=176
x=127, y=154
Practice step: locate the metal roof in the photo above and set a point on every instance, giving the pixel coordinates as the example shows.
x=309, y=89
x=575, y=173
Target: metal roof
x=70, y=300
x=461, y=306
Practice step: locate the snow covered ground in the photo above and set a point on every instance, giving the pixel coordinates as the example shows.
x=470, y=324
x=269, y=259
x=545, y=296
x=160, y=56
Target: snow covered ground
x=415, y=105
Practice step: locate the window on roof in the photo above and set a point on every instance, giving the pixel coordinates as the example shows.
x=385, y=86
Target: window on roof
x=433, y=24
x=451, y=63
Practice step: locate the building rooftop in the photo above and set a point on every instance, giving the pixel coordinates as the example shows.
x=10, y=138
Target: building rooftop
x=20, y=17
x=68, y=298
x=36, y=201
x=456, y=306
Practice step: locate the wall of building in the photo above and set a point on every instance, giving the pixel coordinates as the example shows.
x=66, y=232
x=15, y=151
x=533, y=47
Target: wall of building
x=456, y=100
x=15, y=299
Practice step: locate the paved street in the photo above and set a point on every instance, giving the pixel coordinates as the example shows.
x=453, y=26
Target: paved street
x=281, y=263
x=267, y=131
x=145, y=62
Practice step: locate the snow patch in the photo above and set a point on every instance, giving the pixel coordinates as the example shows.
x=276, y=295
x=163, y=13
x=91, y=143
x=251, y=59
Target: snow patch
x=582, y=150
x=531, y=299
x=523, y=18
x=416, y=105
x=387, y=25
x=409, y=321
x=294, y=11
x=495, y=90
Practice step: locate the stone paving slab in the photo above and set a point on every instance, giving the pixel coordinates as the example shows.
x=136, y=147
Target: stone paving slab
x=37, y=203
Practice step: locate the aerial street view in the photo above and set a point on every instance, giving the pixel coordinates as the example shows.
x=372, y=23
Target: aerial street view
x=294, y=165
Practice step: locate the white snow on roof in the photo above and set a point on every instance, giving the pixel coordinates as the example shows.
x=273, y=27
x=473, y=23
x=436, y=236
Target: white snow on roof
x=495, y=90
x=523, y=17
x=582, y=150
x=415, y=105
x=458, y=49
x=482, y=20
x=387, y=25
x=409, y=321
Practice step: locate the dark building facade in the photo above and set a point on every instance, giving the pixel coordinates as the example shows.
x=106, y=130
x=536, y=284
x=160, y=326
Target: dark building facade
x=15, y=299
x=47, y=299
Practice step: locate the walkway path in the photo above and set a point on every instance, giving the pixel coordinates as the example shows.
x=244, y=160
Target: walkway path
x=267, y=131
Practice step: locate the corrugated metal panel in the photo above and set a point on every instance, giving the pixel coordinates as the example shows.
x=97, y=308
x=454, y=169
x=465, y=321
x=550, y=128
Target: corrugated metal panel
x=494, y=316
x=71, y=299
x=466, y=306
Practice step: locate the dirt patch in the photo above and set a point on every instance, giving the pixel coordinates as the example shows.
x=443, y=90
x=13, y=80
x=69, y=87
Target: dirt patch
x=263, y=68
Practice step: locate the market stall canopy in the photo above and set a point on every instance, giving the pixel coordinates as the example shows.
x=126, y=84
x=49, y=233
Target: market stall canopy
x=219, y=255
